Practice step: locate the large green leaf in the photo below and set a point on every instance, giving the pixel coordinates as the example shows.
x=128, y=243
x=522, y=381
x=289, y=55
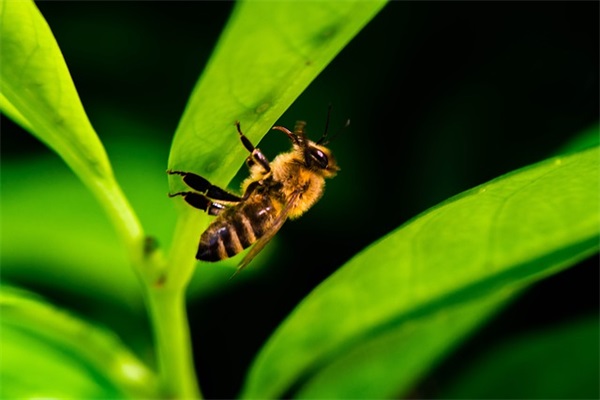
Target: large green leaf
x=37, y=91
x=419, y=288
x=383, y=364
x=268, y=53
x=47, y=352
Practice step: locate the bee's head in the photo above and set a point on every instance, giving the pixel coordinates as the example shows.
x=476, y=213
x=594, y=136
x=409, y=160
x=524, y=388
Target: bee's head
x=314, y=155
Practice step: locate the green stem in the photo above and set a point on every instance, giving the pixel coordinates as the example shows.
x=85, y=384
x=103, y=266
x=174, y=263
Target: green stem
x=165, y=289
x=176, y=365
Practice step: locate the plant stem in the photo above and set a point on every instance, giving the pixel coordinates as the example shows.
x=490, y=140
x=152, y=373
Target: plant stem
x=165, y=291
x=176, y=365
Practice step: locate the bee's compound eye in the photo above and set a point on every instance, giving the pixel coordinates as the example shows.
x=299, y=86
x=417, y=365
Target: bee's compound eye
x=320, y=158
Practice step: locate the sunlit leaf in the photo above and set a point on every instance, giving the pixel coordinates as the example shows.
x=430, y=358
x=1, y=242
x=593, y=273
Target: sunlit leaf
x=268, y=53
x=13, y=113
x=400, y=354
x=493, y=239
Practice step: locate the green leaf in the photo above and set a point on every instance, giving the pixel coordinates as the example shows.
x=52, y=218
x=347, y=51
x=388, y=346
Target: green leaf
x=37, y=91
x=556, y=363
x=49, y=353
x=56, y=235
x=449, y=264
x=266, y=56
x=13, y=113
x=268, y=53
x=371, y=368
x=43, y=206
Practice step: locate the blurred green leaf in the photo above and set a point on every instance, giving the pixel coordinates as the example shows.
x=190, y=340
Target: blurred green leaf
x=397, y=356
x=55, y=235
x=49, y=353
x=493, y=239
x=37, y=91
x=33, y=368
x=557, y=363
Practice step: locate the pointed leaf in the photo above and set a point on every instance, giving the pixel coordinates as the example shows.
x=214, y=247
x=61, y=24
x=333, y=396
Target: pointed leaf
x=268, y=53
x=492, y=239
x=383, y=365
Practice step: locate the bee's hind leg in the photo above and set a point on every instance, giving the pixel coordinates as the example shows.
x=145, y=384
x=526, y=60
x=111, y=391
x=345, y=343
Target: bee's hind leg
x=203, y=186
x=201, y=202
x=256, y=156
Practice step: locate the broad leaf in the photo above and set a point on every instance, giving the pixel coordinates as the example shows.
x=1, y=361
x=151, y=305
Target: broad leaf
x=384, y=364
x=267, y=55
x=452, y=261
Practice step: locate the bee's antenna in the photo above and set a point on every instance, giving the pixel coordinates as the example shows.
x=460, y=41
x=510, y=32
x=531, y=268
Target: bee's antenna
x=324, y=136
x=334, y=135
x=293, y=137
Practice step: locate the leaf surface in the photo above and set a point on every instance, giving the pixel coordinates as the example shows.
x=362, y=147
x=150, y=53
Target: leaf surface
x=50, y=353
x=267, y=55
x=430, y=281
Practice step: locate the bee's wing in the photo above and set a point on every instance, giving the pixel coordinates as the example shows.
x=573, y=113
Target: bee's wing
x=262, y=242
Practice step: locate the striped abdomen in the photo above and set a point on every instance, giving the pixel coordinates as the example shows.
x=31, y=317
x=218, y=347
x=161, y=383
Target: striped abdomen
x=235, y=229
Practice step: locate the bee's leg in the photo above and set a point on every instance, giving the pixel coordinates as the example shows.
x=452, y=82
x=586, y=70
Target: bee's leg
x=256, y=156
x=250, y=189
x=203, y=186
x=201, y=202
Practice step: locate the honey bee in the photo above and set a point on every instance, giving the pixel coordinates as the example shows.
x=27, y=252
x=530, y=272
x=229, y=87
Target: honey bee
x=275, y=191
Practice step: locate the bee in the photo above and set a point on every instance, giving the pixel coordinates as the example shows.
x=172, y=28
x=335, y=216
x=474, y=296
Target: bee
x=275, y=191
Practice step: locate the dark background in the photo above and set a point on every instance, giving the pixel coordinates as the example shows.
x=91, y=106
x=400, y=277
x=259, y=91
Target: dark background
x=442, y=96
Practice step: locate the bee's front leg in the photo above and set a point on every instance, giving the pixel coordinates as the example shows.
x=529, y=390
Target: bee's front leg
x=256, y=156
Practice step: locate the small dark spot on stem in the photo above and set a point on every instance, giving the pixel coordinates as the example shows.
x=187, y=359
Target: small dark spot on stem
x=150, y=245
x=160, y=282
